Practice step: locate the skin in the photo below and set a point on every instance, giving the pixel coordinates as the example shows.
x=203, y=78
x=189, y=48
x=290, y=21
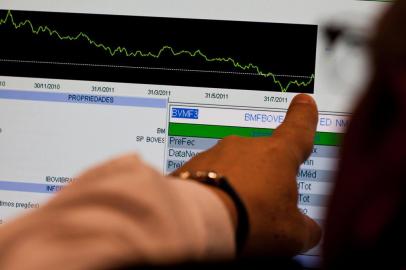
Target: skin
x=263, y=172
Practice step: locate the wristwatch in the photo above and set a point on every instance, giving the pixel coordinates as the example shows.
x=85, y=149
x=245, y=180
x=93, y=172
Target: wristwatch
x=216, y=180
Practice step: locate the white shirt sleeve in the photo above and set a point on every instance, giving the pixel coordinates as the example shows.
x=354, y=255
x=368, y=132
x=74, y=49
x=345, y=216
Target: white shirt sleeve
x=122, y=212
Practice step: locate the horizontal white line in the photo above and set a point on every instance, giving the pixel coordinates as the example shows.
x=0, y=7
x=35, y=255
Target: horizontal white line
x=146, y=68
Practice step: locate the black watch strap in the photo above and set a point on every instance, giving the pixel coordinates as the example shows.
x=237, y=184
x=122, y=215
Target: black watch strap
x=221, y=182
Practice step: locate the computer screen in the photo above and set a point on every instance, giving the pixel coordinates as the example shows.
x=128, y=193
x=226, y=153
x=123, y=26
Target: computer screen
x=84, y=81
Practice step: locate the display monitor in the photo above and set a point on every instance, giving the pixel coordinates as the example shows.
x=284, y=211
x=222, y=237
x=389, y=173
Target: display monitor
x=85, y=81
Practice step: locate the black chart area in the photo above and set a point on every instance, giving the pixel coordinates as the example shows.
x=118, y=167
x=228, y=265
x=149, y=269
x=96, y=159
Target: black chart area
x=164, y=51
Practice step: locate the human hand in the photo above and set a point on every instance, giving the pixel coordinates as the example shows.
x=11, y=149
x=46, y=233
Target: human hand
x=263, y=172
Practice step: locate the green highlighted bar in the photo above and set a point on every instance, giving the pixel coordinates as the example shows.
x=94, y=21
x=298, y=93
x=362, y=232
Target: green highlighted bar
x=219, y=132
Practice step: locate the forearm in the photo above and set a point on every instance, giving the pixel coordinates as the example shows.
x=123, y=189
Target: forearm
x=122, y=212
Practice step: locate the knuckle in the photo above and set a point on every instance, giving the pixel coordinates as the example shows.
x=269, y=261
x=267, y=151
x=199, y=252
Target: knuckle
x=300, y=146
x=277, y=146
x=293, y=152
x=291, y=193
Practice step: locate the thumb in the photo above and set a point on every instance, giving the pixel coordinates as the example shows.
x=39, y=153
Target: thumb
x=311, y=233
x=299, y=127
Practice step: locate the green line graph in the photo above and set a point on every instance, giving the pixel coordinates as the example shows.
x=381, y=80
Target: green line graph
x=9, y=19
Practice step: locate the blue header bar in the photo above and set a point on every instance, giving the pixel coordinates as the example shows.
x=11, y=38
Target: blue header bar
x=84, y=99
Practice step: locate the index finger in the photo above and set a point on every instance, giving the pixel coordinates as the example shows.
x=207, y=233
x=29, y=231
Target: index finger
x=299, y=127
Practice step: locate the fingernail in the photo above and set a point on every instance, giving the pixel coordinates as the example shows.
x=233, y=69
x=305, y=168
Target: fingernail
x=303, y=99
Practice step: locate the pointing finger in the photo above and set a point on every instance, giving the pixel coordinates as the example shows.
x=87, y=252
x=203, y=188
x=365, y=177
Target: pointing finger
x=299, y=128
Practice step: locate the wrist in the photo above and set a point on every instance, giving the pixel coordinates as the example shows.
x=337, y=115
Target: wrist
x=228, y=203
x=232, y=201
